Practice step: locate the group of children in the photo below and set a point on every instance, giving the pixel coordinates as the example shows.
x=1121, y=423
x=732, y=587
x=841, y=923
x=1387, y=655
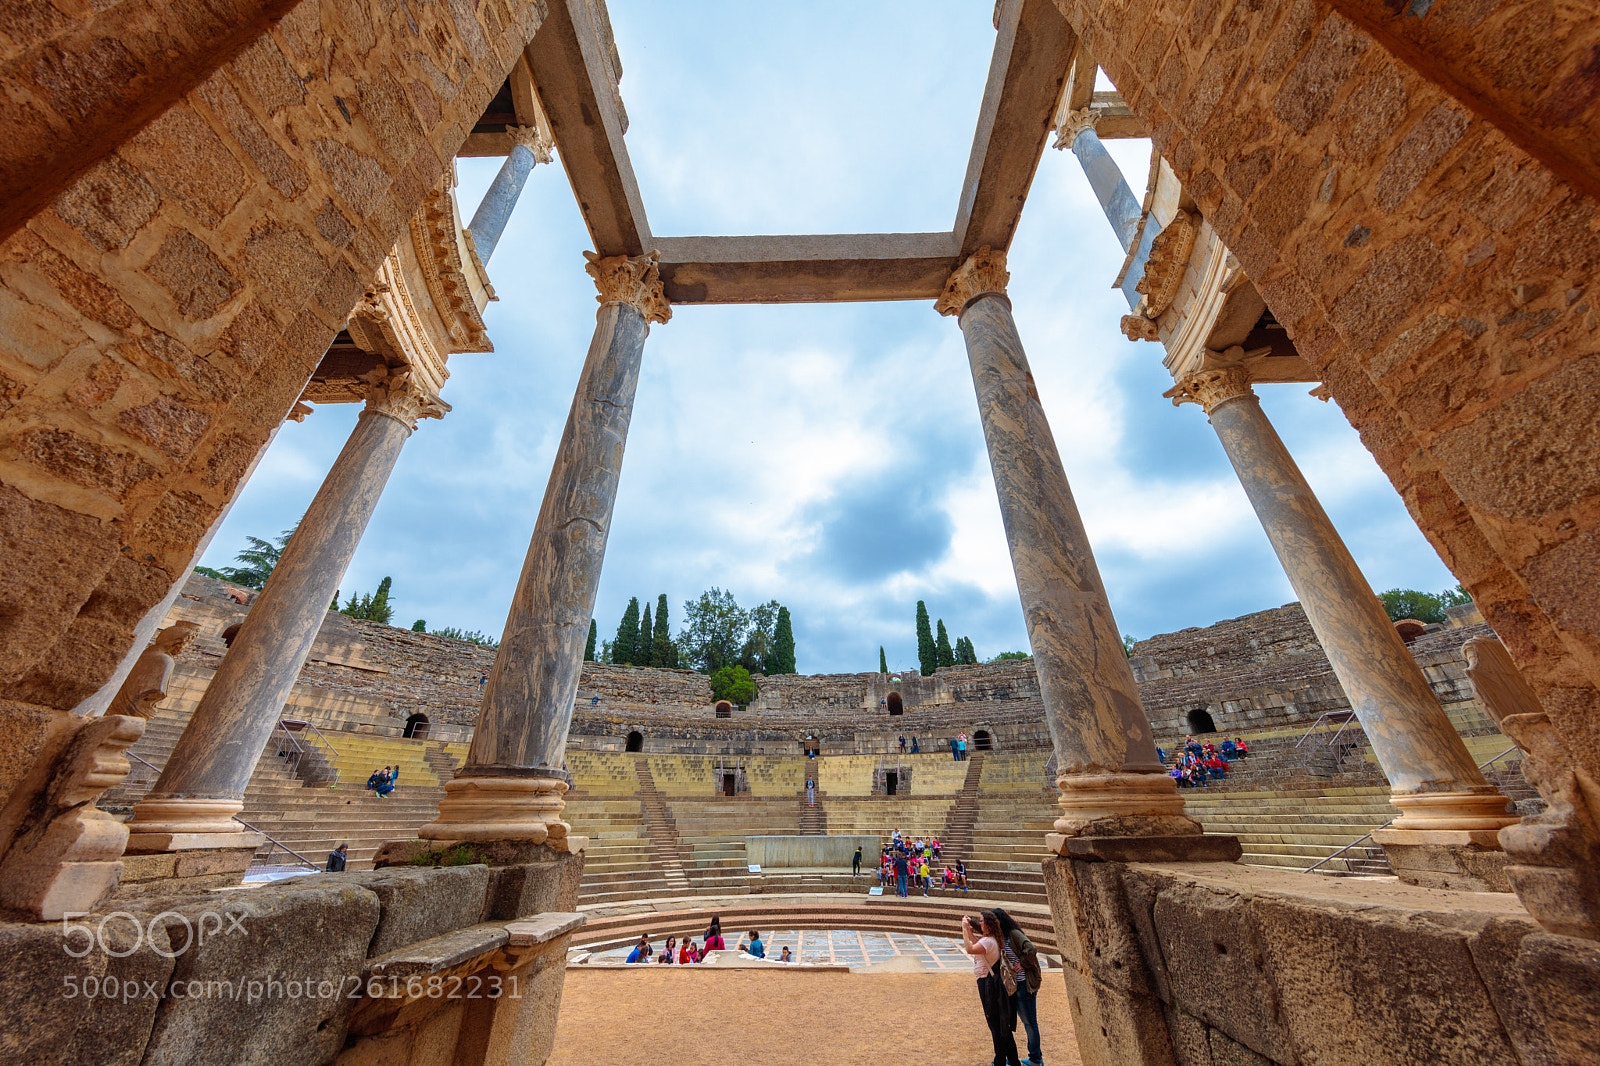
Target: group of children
x=918, y=857
x=383, y=781
x=689, y=952
x=1200, y=763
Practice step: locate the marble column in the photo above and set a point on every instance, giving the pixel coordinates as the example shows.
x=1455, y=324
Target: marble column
x=1435, y=782
x=202, y=785
x=1122, y=208
x=528, y=147
x=511, y=785
x=1111, y=781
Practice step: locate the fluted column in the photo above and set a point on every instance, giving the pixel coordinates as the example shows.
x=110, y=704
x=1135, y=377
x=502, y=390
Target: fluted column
x=1111, y=782
x=528, y=147
x=1435, y=783
x=511, y=785
x=202, y=785
x=1122, y=208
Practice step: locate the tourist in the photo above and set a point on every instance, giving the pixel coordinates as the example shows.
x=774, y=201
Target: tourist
x=336, y=859
x=1024, y=960
x=900, y=874
x=1241, y=747
x=961, y=874
x=914, y=749
x=372, y=782
x=666, y=956
x=757, y=949
x=670, y=952
x=641, y=950
x=1161, y=755
x=954, y=754
x=714, y=936
x=785, y=957
x=961, y=747
x=922, y=872
x=897, y=834
x=386, y=786
x=811, y=792
x=855, y=863
x=686, y=953
x=1177, y=775
x=935, y=849
x=1227, y=750
x=902, y=742
x=999, y=1009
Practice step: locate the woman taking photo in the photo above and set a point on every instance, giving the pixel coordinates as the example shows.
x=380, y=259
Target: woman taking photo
x=1023, y=959
x=999, y=1009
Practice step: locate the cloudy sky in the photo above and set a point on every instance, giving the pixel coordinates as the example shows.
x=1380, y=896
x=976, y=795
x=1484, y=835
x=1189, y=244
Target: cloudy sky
x=827, y=456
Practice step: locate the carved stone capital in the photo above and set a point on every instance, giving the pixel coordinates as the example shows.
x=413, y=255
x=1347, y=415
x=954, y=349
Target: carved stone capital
x=984, y=271
x=1139, y=328
x=1208, y=388
x=1169, y=257
x=298, y=412
x=400, y=397
x=634, y=280
x=1076, y=122
x=534, y=140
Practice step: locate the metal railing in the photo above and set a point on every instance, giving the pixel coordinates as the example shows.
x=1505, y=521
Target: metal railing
x=1347, y=847
x=295, y=725
x=259, y=862
x=1330, y=717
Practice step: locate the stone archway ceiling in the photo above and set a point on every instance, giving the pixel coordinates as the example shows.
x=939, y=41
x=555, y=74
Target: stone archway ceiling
x=572, y=68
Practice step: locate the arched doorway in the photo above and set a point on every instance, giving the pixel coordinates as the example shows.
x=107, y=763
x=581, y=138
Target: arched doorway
x=896, y=706
x=1200, y=721
x=981, y=740
x=635, y=741
x=417, y=727
x=724, y=709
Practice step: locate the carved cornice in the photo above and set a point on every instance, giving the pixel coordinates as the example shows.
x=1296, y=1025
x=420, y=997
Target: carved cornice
x=633, y=280
x=1169, y=258
x=399, y=396
x=435, y=233
x=1139, y=328
x=1210, y=388
x=534, y=140
x=298, y=412
x=1076, y=122
x=984, y=271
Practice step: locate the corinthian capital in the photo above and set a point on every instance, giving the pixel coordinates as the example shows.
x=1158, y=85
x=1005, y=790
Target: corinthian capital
x=984, y=271
x=1076, y=122
x=399, y=396
x=1209, y=388
x=534, y=140
x=634, y=280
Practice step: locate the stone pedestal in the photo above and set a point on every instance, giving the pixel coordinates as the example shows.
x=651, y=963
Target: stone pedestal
x=1435, y=783
x=1111, y=781
x=202, y=785
x=511, y=785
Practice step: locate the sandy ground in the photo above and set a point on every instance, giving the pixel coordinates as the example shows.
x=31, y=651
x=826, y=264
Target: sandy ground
x=647, y=1016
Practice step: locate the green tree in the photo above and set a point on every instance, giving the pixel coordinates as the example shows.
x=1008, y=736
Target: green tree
x=965, y=655
x=206, y=571
x=624, y=650
x=1423, y=606
x=946, y=656
x=588, y=649
x=646, y=648
x=663, y=651
x=258, y=559
x=883, y=661
x=733, y=683
x=471, y=636
x=927, y=651
x=713, y=631
x=419, y=626
x=1005, y=655
x=1127, y=645
x=757, y=647
x=374, y=607
x=781, y=661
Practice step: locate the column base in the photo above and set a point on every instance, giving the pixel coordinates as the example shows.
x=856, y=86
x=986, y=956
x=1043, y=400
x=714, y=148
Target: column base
x=1467, y=810
x=188, y=824
x=1119, y=805
x=1465, y=860
x=159, y=873
x=482, y=809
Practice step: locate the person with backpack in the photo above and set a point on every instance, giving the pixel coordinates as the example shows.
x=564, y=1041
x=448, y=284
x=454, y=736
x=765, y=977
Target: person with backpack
x=981, y=938
x=1021, y=955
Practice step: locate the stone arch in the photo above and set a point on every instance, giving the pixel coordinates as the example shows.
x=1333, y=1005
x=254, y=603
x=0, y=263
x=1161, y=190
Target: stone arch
x=982, y=741
x=724, y=709
x=1410, y=629
x=635, y=741
x=417, y=726
x=1200, y=721
x=896, y=704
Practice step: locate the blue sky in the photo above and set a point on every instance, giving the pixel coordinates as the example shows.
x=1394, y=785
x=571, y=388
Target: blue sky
x=827, y=456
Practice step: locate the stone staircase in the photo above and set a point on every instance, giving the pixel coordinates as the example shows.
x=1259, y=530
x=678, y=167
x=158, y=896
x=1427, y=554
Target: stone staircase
x=659, y=824
x=956, y=842
x=1296, y=829
x=813, y=817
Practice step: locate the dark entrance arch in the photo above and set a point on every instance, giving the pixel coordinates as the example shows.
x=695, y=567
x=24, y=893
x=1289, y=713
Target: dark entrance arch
x=635, y=741
x=724, y=709
x=980, y=740
x=1200, y=721
x=896, y=706
x=417, y=726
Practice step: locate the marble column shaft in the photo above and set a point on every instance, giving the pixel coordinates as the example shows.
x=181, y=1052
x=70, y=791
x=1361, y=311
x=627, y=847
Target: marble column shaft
x=494, y=211
x=1121, y=207
x=204, y=780
x=1105, y=751
x=1412, y=737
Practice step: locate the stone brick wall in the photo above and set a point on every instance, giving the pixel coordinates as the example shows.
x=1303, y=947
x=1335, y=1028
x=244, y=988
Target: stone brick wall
x=1400, y=201
x=231, y=180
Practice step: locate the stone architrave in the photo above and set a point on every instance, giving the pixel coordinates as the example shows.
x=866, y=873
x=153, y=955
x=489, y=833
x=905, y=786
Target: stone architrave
x=1435, y=783
x=511, y=785
x=147, y=681
x=1110, y=779
x=202, y=785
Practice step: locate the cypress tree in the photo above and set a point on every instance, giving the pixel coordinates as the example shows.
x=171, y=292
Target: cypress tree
x=883, y=661
x=623, y=649
x=647, y=639
x=947, y=657
x=663, y=651
x=588, y=649
x=966, y=655
x=927, y=652
x=781, y=661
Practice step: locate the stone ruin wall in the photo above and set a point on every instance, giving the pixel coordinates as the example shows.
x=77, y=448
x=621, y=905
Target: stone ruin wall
x=1259, y=671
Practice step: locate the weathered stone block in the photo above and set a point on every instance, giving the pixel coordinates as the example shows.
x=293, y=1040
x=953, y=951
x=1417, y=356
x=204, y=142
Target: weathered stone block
x=421, y=903
x=550, y=884
x=1495, y=949
x=1562, y=975
x=271, y=982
